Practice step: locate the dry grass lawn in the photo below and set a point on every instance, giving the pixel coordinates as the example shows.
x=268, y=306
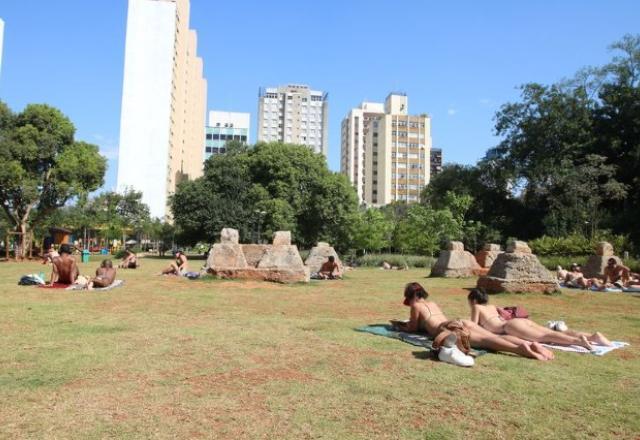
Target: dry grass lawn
x=172, y=358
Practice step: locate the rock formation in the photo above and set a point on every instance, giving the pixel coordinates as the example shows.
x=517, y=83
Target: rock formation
x=596, y=263
x=488, y=255
x=455, y=262
x=319, y=255
x=518, y=270
x=279, y=262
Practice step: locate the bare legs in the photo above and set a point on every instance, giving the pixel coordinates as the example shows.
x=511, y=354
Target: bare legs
x=485, y=339
x=530, y=331
x=173, y=269
x=597, y=337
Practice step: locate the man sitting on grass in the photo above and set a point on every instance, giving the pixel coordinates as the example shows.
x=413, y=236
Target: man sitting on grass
x=65, y=268
x=180, y=267
x=330, y=270
x=130, y=260
x=105, y=275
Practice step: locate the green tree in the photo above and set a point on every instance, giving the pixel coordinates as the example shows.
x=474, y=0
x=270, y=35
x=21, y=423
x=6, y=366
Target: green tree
x=425, y=230
x=372, y=230
x=263, y=189
x=43, y=166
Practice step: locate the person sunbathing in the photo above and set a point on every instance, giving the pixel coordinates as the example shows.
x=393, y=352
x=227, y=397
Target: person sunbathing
x=330, y=270
x=487, y=316
x=105, y=275
x=180, y=267
x=427, y=316
x=64, y=268
x=49, y=255
x=616, y=274
x=130, y=260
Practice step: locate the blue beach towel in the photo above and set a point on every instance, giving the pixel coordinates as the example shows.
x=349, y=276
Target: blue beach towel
x=419, y=340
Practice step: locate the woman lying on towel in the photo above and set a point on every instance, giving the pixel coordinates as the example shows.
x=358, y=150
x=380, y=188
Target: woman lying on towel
x=487, y=316
x=427, y=316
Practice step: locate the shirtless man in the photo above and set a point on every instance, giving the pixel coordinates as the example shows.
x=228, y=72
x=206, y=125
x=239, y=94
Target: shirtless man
x=180, y=267
x=105, y=275
x=330, y=270
x=65, y=269
x=130, y=260
x=615, y=274
x=427, y=316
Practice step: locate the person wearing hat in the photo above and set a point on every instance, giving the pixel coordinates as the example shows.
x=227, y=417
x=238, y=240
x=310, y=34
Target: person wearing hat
x=179, y=267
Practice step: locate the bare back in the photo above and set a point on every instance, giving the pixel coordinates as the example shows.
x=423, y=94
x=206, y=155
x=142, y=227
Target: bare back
x=487, y=316
x=107, y=274
x=65, y=269
x=427, y=316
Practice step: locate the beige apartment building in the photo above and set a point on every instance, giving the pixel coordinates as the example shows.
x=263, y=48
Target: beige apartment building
x=385, y=151
x=294, y=114
x=163, y=102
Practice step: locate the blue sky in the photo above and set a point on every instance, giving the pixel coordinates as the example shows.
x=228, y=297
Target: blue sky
x=458, y=61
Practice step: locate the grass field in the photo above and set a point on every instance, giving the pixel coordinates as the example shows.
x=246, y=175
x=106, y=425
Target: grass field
x=172, y=358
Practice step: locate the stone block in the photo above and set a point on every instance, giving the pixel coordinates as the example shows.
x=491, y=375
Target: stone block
x=455, y=246
x=229, y=236
x=604, y=249
x=519, y=246
x=282, y=238
x=455, y=264
x=224, y=256
x=491, y=247
x=518, y=272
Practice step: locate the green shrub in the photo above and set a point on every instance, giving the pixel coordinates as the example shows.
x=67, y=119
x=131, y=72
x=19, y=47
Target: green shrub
x=576, y=245
x=398, y=260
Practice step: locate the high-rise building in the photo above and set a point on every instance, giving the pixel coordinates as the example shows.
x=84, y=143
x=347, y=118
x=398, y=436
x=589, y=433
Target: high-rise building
x=1, y=41
x=224, y=127
x=354, y=130
x=385, y=151
x=294, y=114
x=436, y=161
x=163, y=102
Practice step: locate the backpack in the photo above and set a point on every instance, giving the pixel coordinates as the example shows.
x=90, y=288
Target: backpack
x=30, y=280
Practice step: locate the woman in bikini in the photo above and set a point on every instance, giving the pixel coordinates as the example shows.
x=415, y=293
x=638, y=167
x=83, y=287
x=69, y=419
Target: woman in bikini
x=487, y=317
x=427, y=316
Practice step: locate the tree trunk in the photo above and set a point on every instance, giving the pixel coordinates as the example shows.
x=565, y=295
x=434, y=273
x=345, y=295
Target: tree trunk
x=20, y=250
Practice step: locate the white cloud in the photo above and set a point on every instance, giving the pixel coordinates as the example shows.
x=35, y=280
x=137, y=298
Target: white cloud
x=452, y=111
x=485, y=101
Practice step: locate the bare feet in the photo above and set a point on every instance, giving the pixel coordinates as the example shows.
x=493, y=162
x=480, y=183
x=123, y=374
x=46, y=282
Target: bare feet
x=526, y=351
x=599, y=338
x=584, y=342
x=539, y=348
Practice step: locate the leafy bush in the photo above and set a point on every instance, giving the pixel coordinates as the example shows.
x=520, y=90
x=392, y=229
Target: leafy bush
x=576, y=245
x=398, y=260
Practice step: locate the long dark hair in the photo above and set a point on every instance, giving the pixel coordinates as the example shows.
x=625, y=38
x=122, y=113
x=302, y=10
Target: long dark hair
x=478, y=296
x=413, y=290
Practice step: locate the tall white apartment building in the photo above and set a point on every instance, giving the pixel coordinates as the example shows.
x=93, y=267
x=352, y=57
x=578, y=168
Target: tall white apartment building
x=294, y=114
x=385, y=152
x=163, y=102
x=1, y=42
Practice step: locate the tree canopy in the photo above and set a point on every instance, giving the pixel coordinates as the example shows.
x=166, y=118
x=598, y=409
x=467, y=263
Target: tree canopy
x=43, y=165
x=259, y=190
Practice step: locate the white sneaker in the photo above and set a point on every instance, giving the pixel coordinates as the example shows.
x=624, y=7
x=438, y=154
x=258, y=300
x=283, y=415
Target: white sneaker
x=561, y=326
x=552, y=324
x=452, y=355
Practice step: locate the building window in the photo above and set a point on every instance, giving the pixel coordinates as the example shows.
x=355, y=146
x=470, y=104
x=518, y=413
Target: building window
x=208, y=149
x=209, y=136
